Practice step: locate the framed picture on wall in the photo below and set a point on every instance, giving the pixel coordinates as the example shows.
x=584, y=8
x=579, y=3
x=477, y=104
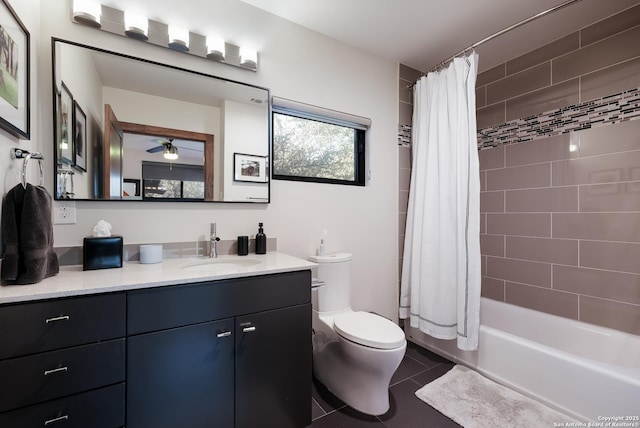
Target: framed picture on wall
x=79, y=137
x=63, y=126
x=249, y=168
x=14, y=74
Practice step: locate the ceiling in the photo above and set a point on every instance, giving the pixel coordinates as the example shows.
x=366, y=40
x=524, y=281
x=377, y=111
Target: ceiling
x=417, y=33
x=422, y=33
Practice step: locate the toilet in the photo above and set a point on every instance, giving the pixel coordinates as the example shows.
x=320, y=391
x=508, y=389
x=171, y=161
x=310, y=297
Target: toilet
x=354, y=353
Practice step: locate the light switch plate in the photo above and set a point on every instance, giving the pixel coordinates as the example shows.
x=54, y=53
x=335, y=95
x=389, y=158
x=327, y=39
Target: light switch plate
x=64, y=212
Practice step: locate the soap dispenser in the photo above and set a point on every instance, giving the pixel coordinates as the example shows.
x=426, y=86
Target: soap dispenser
x=261, y=241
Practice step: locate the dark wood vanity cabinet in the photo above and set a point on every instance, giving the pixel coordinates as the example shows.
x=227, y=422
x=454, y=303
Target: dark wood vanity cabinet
x=62, y=363
x=229, y=353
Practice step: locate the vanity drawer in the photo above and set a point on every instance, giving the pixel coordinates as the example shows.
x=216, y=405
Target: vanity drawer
x=100, y=408
x=29, y=328
x=42, y=377
x=168, y=307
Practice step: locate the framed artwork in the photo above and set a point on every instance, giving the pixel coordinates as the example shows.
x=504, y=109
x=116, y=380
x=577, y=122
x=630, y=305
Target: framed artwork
x=130, y=187
x=63, y=126
x=249, y=168
x=79, y=137
x=14, y=74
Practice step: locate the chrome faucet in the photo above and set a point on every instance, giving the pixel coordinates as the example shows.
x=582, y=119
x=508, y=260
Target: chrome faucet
x=213, y=241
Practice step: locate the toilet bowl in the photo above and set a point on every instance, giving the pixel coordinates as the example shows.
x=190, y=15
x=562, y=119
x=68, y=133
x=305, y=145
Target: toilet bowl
x=355, y=353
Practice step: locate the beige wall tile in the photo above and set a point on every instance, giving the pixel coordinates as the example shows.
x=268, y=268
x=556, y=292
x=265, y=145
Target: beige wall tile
x=405, y=93
x=492, y=202
x=403, y=201
x=492, y=245
x=404, y=157
x=604, y=53
x=483, y=223
x=538, y=225
x=555, y=199
x=621, y=137
x=561, y=251
x=493, y=74
x=520, y=83
x=536, y=151
x=617, y=256
x=483, y=181
x=481, y=97
x=610, y=197
x=491, y=158
x=619, y=286
x=409, y=74
x=521, y=271
x=601, y=169
x=519, y=177
x=540, y=299
x=402, y=221
x=405, y=114
x=610, y=26
x=559, y=47
x=490, y=115
x=623, y=227
x=404, y=179
x=620, y=316
x=611, y=80
x=492, y=289
x=550, y=98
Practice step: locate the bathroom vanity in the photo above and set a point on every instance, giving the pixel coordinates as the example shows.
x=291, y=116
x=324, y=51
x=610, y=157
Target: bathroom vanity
x=183, y=343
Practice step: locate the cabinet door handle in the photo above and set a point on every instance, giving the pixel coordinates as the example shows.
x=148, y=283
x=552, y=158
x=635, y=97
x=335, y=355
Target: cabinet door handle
x=54, y=420
x=249, y=329
x=224, y=334
x=58, y=370
x=54, y=319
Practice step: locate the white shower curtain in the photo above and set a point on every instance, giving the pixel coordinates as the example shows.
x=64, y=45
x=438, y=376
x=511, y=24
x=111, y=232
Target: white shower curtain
x=440, y=291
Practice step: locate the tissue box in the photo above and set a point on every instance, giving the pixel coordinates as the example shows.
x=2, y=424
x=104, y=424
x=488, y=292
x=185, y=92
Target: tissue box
x=102, y=252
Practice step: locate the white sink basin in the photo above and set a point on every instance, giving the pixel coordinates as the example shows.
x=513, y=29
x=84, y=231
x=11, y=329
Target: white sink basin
x=222, y=264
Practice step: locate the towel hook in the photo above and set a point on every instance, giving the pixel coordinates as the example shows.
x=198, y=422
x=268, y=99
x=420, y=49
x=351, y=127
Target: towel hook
x=23, y=154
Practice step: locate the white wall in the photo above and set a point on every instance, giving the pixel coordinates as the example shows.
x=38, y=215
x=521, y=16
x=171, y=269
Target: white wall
x=244, y=127
x=295, y=63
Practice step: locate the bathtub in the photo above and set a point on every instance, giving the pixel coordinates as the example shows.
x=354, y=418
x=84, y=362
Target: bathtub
x=585, y=371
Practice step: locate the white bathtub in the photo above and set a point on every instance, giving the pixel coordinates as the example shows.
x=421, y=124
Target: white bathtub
x=585, y=371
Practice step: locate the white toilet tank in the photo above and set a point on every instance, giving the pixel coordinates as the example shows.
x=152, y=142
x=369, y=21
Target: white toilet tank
x=335, y=271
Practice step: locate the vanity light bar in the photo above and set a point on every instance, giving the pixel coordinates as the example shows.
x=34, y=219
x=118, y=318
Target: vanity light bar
x=137, y=26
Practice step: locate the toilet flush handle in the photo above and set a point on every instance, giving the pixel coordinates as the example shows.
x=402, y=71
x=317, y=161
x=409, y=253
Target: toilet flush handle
x=249, y=329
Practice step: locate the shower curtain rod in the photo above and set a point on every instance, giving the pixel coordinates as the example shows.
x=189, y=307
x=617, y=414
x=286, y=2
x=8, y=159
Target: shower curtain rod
x=501, y=32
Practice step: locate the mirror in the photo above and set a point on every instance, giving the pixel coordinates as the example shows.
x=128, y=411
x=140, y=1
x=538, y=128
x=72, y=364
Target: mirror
x=133, y=129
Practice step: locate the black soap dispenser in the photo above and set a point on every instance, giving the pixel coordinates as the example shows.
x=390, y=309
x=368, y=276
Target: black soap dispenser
x=261, y=241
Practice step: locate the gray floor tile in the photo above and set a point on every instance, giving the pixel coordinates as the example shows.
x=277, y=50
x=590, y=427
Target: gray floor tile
x=408, y=367
x=424, y=356
x=327, y=401
x=427, y=376
x=347, y=418
x=408, y=411
x=316, y=410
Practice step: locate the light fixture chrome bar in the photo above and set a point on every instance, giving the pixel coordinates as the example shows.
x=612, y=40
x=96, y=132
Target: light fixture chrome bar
x=112, y=21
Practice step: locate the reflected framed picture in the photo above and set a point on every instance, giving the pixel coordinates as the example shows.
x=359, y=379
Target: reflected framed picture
x=79, y=137
x=251, y=168
x=63, y=126
x=130, y=187
x=14, y=74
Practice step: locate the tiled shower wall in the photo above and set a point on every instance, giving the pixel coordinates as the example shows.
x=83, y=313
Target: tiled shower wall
x=560, y=225
x=560, y=216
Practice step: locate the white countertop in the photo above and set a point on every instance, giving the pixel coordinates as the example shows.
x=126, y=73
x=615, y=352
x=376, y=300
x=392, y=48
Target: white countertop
x=73, y=281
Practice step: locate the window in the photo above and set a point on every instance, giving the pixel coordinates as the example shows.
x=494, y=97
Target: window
x=314, y=144
x=163, y=180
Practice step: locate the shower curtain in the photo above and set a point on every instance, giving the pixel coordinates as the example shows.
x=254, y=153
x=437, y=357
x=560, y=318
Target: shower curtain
x=440, y=287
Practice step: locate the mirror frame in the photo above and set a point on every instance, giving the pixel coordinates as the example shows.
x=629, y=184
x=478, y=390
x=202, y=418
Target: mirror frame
x=209, y=155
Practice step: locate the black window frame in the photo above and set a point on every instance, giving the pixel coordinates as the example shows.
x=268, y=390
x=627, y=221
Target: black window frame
x=359, y=147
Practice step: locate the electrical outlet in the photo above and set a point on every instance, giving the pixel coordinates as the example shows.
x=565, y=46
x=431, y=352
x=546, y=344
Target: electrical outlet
x=64, y=212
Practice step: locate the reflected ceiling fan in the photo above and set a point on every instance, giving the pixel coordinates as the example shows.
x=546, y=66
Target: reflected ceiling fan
x=168, y=149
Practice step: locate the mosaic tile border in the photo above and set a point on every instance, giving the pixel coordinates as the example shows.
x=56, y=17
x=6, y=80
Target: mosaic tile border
x=616, y=108
x=607, y=110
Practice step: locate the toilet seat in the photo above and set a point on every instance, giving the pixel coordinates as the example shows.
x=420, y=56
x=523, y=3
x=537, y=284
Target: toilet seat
x=369, y=330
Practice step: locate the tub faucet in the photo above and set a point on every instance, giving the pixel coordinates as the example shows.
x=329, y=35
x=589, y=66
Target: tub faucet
x=213, y=241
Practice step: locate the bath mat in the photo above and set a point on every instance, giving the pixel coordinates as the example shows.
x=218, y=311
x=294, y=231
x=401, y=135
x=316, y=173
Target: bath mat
x=474, y=401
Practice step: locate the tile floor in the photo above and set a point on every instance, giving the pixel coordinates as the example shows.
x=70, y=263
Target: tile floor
x=418, y=368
